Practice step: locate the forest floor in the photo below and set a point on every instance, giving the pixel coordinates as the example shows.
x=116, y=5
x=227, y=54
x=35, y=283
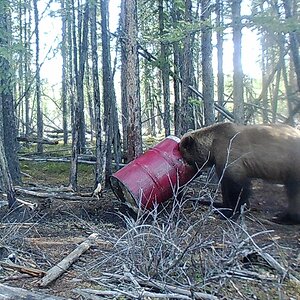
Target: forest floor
x=184, y=247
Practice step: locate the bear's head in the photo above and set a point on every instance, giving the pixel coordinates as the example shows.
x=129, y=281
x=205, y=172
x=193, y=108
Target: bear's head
x=195, y=148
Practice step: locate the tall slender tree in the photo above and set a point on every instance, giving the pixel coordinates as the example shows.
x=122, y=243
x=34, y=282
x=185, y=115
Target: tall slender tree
x=109, y=97
x=207, y=69
x=64, y=90
x=39, y=107
x=220, y=54
x=165, y=68
x=238, y=90
x=187, y=74
x=130, y=69
x=100, y=158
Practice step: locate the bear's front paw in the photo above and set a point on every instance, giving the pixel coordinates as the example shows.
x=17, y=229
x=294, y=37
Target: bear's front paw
x=286, y=218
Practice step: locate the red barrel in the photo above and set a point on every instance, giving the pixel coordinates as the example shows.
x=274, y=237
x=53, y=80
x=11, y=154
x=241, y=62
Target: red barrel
x=152, y=177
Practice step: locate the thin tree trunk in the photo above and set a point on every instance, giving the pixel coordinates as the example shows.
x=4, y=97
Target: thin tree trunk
x=6, y=183
x=110, y=108
x=186, y=108
x=83, y=50
x=220, y=36
x=238, y=93
x=39, y=109
x=131, y=77
x=176, y=80
x=164, y=69
x=64, y=92
x=96, y=92
x=207, y=70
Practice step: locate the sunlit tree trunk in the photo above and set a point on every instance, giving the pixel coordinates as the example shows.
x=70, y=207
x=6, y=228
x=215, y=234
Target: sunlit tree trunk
x=238, y=90
x=131, y=78
x=220, y=36
x=207, y=70
x=64, y=90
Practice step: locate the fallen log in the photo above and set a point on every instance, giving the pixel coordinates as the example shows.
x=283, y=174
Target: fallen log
x=13, y=293
x=63, y=265
x=59, y=195
x=33, y=139
x=61, y=160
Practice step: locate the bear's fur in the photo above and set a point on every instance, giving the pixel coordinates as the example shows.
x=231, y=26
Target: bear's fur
x=240, y=153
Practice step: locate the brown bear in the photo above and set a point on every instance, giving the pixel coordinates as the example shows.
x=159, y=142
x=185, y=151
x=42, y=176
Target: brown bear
x=240, y=153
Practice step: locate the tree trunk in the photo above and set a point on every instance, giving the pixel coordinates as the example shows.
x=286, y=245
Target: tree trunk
x=176, y=80
x=207, y=70
x=186, y=107
x=39, y=109
x=8, y=130
x=220, y=34
x=83, y=50
x=6, y=183
x=165, y=69
x=238, y=92
x=109, y=97
x=64, y=91
x=294, y=46
x=96, y=92
x=131, y=78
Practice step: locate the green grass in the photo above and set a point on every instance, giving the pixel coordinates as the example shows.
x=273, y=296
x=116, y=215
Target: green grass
x=56, y=173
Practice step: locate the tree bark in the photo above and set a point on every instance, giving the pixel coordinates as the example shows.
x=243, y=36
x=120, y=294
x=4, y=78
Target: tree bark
x=64, y=88
x=207, y=69
x=100, y=158
x=8, y=129
x=39, y=109
x=110, y=109
x=238, y=91
x=164, y=68
x=186, y=107
x=131, y=77
x=220, y=36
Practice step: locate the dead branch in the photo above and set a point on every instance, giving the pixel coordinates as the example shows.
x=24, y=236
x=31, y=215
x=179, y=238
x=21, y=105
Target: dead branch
x=49, y=242
x=66, y=196
x=32, y=206
x=92, y=294
x=33, y=139
x=23, y=269
x=12, y=293
x=60, y=160
x=163, y=287
x=63, y=265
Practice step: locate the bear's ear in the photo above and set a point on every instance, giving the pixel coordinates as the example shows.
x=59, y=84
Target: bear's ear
x=187, y=142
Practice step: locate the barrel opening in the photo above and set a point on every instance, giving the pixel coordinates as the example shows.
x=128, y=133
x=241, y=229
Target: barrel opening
x=122, y=193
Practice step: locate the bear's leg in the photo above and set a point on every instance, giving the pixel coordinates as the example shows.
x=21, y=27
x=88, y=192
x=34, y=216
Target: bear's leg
x=292, y=214
x=235, y=193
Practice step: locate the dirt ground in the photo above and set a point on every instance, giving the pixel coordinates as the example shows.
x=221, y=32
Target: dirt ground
x=43, y=237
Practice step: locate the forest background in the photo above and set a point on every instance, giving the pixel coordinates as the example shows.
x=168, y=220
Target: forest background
x=165, y=68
